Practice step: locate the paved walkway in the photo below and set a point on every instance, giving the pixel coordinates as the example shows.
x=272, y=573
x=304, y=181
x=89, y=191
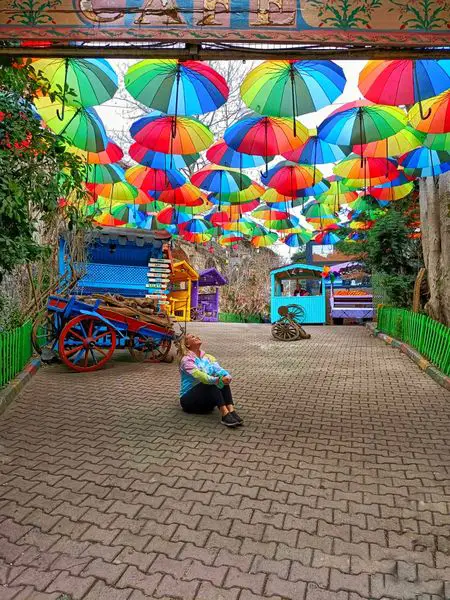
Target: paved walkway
x=336, y=489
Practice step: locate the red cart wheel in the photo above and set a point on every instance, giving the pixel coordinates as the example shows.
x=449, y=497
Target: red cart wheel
x=86, y=343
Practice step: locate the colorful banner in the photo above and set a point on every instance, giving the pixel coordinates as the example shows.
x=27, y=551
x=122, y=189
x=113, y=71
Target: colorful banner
x=376, y=22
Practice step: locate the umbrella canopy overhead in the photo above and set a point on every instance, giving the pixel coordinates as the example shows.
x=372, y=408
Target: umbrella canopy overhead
x=248, y=194
x=298, y=238
x=288, y=88
x=437, y=111
x=404, y=82
x=221, y=154
x=425, y=162
x=358, y=171
x=393, y=192
x=112, y=153
x=316, y=151
x=186, y=195
x=82, y=81
x=290, y=178
x=405, y=140
x=361, y=123
x=177, y=87
x=438, y=141
x=104, y=173
x=159, y=160
x=81, y=127
x=154, y=179
x=220, y=180
x=265, y=136
x=170, y=135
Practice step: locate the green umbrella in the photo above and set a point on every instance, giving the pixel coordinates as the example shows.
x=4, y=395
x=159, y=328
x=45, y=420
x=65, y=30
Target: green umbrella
x=104, y=174
x=81, y=127
x=438, y=141
x=82, y=81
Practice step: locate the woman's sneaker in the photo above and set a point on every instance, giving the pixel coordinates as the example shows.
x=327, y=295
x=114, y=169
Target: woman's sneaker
x=237, y=418
x=228, y=421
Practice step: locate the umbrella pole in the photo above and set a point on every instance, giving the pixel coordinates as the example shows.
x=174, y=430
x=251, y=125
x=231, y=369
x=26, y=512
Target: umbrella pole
x=361, y=134
x=294, y=103
x=58, y=114
x=265, y=141
x=423, y=116
x=315, y=158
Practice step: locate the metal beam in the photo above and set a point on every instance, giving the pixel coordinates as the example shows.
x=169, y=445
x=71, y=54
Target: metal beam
x=226, y=52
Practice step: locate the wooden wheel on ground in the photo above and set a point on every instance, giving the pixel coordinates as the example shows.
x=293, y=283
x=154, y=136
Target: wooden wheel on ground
x=43, y=333
x=286, y=331
x=145, y=348
x=86, y=343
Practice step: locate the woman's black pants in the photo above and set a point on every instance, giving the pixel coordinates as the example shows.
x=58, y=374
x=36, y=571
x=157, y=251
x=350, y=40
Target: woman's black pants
x=203, y=398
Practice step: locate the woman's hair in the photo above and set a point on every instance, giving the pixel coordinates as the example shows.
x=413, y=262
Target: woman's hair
x=182, y=349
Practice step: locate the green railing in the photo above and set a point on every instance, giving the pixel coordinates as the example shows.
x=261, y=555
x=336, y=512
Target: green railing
x=428, y=337
x=15, y=351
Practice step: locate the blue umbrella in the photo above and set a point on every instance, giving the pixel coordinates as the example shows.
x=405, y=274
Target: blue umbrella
x=159, y=160
x=316, y=151
x=221, y=154
x=424, y=162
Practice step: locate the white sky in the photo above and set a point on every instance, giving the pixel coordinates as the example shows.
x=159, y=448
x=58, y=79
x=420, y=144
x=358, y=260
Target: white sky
x=115, y=118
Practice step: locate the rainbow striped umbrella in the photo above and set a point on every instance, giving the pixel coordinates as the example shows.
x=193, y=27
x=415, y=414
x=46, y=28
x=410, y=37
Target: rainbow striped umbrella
x=290, y=222
x=358, y=171
x=404, y=82
x=186, y=195
x=437, y=141
x=437, y=111
x=176, y=87
x=221, y=154
x=159, y=160
x=288, y=88
x=171, y=135
x=298, y=238
x=243, y=225
x=265, y=136
x=104, y=174
x=393, y=192
x=230, y=238
x=249, y=194
x=262, y=237
x=119, y=192
x=172, y=216
x=290, y=178
x=405, y=140
x=266, y=212
x=361, y=123
x=150, y=179
x=316, y=151
x=220, y=180
x=326, y=238
x=111, y=154
x=425, y=162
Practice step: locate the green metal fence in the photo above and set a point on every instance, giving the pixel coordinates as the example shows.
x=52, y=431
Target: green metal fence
x=430, y=338
x=235, y=318
x=15, y=351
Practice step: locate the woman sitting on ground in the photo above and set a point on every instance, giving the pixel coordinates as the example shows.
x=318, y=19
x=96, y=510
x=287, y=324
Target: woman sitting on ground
x=204, y=383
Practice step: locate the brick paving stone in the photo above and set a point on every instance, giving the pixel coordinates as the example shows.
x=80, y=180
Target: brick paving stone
x=338, y=479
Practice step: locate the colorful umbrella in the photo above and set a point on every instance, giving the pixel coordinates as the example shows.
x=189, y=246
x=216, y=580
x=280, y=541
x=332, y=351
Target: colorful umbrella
x=176, y=87
x=316, y=151
x=81, y=127
x=112, y=153
x=249, y=194
x=424, y=162
x=172, y=216
x=220, y=180
x=288, y=88
x=197, y=226
x=159, y=160
x=277, y=200
x=156, y=133
x=358, y=171
x=290, y=178
x=264, y=136
x=82, y=81
x=186, y=195
x=266, y=212
x=288, y=223
x=317, y=213
x=391, y=193
x=128, y=213
x=338, y=193
x=118, y=192
x=105, y=219
x=405, y=140
x=401, y=179
x=158, y=180
x=299, y=238
x=263, y=237
x=437, y=141
x=229, y=238
x=361, y=123
x=221, y=154
x=365, y=203
x=438, y=111
x=244, y=225
x=326, y=238
x=404, y=82
x=104, y=174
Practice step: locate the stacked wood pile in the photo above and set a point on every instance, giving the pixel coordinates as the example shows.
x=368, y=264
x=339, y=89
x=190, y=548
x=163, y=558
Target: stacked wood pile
x=143, y=309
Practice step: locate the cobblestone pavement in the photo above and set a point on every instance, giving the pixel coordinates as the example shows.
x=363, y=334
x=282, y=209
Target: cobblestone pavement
x=337, y=488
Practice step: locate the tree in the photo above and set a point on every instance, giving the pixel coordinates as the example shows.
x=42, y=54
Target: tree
x=435, y=223
x=299, y=255
x=390, y=253
x=36, y=170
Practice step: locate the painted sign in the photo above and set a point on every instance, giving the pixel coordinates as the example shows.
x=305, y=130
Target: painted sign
x=375, y=22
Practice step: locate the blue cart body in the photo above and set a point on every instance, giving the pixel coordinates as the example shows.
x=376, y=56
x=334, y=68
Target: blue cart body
x=284, y=281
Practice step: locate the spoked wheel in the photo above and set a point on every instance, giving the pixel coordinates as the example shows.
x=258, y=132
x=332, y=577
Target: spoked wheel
x=286, y=331
x=43, y=333
x=196, y=314
x=86, y=343
x=296, y=313
x=148, y=349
